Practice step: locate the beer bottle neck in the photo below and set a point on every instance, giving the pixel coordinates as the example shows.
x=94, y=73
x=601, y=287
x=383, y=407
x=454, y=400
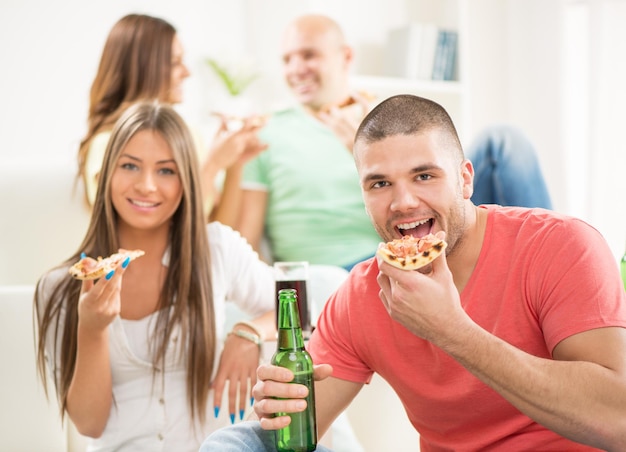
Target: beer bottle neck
x=289, y=330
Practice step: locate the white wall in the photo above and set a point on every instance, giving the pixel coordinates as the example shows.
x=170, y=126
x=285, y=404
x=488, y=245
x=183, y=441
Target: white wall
x=606, y=162
x=519, y=73
x=50, y=51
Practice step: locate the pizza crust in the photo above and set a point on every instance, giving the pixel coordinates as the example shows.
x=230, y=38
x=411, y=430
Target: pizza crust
x=89, y=268
x=410, y=253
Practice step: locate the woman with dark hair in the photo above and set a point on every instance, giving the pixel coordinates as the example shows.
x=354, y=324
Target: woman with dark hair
x=143, y=59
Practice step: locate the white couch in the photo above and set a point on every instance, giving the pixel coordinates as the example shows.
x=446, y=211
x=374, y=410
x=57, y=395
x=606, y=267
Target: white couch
x=29, y=422
x=42, y=220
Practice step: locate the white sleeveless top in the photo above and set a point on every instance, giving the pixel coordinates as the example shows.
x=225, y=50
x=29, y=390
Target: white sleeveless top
x=152, y=413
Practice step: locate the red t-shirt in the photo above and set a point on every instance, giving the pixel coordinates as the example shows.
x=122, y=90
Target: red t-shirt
x=540, y=278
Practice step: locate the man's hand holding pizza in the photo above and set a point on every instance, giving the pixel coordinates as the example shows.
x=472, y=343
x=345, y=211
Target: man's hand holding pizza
x=424, y=300
x=344, y=119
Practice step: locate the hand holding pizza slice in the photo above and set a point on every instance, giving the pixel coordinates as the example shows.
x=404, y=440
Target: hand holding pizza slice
x=90, y=268
x=411, y=253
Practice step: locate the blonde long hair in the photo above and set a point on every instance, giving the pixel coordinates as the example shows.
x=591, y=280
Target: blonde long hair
x=136, y=64
x=188, y=279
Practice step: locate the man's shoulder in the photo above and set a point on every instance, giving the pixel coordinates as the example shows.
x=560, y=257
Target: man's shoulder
x=540, y=229
x=362, y=274
x=534, y=218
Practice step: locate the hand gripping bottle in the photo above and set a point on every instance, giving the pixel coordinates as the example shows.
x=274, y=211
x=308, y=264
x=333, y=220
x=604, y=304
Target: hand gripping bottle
x=301, y=434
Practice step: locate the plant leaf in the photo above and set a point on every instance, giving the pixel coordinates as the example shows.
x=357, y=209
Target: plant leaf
x=233, y=83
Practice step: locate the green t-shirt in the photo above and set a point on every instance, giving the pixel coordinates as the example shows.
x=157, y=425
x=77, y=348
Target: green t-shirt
x=315, y=208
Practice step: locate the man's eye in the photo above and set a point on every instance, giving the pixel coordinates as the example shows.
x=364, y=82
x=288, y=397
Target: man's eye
x=380, y=184
x=424, y=177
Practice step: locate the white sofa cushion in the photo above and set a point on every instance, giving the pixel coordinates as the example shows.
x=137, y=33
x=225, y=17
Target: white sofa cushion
x=42, y=220
x=29, y=421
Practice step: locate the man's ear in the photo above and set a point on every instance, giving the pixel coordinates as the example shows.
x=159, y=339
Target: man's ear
x=467, y=178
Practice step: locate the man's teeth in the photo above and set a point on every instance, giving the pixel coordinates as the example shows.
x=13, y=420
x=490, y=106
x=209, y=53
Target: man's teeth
x=143, y=204
x=413, y=224
x=303, y=86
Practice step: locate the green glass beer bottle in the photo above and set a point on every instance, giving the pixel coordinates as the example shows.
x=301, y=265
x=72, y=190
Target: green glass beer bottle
x=301, y=434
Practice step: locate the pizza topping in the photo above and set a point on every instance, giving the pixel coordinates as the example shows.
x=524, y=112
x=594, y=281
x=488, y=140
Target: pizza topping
x=363, y=96
x=411, y=253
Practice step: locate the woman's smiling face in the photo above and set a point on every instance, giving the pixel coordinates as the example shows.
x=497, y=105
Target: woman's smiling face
x=146, y=188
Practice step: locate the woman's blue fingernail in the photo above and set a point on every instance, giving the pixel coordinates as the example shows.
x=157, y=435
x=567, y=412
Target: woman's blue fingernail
x=216, y=411
x=126, y=262
x=110, y=275
x=251, y=401
x=241, y=413
x=232, y=418
x=83, y=255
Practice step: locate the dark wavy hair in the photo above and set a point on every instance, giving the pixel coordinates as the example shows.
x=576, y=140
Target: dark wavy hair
x=136, y=64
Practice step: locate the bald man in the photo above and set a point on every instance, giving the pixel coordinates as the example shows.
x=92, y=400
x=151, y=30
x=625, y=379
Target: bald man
x=304, y=194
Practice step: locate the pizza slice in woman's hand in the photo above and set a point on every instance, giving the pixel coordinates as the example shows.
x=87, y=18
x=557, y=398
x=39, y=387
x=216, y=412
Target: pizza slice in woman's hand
x=411, y=253
x=90, y=268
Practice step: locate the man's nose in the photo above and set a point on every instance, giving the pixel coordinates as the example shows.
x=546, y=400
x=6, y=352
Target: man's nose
x=404, y=199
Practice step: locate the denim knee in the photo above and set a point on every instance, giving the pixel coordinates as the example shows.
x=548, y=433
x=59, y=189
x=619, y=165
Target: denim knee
x=245, y=436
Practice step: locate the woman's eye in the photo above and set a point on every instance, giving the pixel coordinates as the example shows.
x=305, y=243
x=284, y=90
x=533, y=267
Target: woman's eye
x=167, y=171
x=128, y=166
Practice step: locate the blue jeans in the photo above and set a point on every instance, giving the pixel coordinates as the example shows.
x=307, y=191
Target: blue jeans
x=506, y=169
x=245, y=436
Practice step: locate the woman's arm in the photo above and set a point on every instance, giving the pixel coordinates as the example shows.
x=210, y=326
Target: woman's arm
x=228, y=207
x=90, y=396
x=90, y=393
x=263, y=326
x=252, y=217
x=230, y=151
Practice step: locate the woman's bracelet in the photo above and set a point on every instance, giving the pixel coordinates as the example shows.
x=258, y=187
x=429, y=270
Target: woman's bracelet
x=248, y=336
x=250, y=325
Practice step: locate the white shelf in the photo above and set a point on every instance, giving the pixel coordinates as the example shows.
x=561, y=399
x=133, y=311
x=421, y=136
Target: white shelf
x=399, y=85
x=452, y=95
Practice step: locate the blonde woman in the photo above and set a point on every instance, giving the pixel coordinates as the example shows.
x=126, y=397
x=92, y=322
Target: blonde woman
x=140, y=358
